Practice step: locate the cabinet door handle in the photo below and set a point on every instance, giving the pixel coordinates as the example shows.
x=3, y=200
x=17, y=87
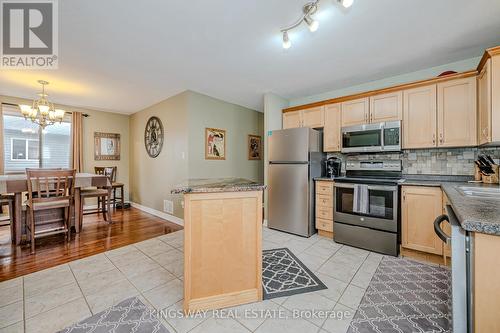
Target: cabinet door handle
x=441, y=138
x=434, y=138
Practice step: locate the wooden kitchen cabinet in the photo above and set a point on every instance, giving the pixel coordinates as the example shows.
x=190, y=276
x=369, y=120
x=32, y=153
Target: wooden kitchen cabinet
x=488, y=95
x=386, y=107
x=332, y=136
x=419, y=117
x=484, y=103
x=420, y=207
x=292, y=119
x=457, y=113
x=313, y=118
x=324, y=208
x=486, y=282
x=355, y=112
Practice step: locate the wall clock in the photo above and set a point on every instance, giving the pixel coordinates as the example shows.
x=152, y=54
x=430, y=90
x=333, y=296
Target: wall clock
x=153, y=136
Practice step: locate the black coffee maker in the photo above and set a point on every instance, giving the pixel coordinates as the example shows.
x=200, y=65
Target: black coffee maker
x=333, y=167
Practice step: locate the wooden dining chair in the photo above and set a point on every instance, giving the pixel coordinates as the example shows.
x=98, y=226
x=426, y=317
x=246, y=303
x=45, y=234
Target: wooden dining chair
x=8, y=200
x=114, y=184
x=49, y=189
x=101, y=194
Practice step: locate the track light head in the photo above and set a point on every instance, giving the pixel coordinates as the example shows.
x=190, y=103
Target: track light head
x=311, y=23
x=346, y=3
x=286, y=40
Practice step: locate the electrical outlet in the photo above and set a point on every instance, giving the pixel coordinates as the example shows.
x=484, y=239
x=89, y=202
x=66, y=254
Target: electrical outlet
x=168, y=206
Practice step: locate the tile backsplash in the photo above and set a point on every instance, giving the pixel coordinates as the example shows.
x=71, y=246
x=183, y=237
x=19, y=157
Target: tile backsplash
x=449, y=161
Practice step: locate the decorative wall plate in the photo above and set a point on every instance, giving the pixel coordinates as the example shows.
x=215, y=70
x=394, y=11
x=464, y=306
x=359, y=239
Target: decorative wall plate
x=153, y=136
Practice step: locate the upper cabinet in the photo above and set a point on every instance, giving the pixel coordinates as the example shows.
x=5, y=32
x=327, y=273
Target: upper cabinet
x=488, y=83
x=419, y=117
x=355, y=112
x=374, y=109
x=332, y=130
x=484, y=103
x=457, y=115
x=312, y=117
x=386, y=107
x=440, y=115
x=292, y=119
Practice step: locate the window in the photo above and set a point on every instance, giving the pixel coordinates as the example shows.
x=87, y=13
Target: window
x=24, y=149
x=27, y=146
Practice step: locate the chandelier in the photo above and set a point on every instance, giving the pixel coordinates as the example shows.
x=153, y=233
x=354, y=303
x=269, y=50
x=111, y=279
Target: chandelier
x=42, y=112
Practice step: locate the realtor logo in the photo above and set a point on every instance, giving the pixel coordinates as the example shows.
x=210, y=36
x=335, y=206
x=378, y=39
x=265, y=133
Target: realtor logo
x=29, y=34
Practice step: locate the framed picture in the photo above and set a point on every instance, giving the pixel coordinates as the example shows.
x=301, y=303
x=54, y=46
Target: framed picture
x=106, y=146
x=254, y=147
x=215, y=144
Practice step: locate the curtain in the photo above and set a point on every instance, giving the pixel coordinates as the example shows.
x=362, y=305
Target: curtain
x=77, y=141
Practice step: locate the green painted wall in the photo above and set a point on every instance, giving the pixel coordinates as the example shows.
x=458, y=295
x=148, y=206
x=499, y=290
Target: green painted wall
x=459, y=66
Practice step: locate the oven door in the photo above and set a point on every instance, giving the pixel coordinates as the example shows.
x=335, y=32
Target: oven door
x=363, y=138
x=377, y=208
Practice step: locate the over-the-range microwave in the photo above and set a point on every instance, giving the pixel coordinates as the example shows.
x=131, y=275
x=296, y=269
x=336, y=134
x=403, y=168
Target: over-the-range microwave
x=379, y=137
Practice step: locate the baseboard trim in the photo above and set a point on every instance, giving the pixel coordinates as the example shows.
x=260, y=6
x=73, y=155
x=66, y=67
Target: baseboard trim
x=165, y=216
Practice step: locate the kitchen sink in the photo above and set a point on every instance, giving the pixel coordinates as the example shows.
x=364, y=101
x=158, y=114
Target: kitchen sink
x=481, y=192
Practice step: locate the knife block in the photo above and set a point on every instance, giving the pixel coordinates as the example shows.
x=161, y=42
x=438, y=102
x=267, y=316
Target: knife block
x=492, y=179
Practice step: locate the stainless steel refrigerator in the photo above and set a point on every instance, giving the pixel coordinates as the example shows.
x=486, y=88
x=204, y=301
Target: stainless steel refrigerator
x=295, y=159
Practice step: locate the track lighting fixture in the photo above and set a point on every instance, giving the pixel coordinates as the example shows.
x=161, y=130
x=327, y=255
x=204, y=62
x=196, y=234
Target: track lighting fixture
x=286, y=40
x=346, y=3
x=313, y=24
x=308, y=10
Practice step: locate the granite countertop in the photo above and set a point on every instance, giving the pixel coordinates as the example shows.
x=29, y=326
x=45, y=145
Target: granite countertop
x=433, y=180
x=326, y=178
x=217, y=185
x=474, y=214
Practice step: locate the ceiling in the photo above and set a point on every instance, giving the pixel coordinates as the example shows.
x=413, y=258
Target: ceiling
x=123, y=55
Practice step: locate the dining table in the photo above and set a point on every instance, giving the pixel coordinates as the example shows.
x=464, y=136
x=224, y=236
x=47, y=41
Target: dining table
x=16, y=184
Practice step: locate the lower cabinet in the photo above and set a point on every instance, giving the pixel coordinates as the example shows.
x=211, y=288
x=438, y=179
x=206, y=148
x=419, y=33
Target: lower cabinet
x=420, y=207
x=324, y=208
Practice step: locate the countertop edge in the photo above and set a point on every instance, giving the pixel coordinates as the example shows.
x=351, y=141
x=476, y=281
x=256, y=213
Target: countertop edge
x=256, y=188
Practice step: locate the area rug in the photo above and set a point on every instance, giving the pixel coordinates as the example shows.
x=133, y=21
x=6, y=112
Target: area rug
x=283, y=274
x=405, y=296
x=131, y=315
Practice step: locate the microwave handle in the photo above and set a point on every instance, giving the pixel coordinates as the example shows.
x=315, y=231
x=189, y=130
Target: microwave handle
x=382, y=132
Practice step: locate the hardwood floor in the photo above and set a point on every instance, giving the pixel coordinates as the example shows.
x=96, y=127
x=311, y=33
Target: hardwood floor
x=130, y=226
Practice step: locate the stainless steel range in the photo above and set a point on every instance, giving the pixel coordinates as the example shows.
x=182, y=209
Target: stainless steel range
x=367, y=206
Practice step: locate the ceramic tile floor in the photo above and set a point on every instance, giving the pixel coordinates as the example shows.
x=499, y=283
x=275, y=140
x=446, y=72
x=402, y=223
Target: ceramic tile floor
x=52, y=299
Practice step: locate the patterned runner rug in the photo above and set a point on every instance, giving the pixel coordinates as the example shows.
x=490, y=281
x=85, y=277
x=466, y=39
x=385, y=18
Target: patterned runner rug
x=131, y=315
x=405, y=296
x=283, y=274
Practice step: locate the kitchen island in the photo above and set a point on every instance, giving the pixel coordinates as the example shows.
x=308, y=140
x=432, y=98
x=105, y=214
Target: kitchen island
x=222, y=242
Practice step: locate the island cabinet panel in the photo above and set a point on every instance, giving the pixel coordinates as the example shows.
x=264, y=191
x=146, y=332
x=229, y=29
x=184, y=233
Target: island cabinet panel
x=386, y=107
x=355, y=112
x=313, y=117
x=420, y=207
x=419, y=117
x=484, y=104
x=292, y=119
x=222, y=249
x=486, y=277
x=332, y=130
x=457, y=113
